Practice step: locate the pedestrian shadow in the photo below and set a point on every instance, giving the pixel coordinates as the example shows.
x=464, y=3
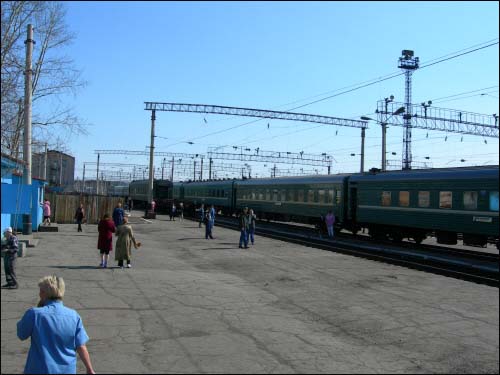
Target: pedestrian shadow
x=187, y=239
x=77, y=267
x=220, y=248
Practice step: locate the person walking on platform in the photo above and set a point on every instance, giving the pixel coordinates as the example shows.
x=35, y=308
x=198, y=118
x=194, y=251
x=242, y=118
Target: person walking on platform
x=124, y=243
x=181, y=211
x=106, y=228
x=172, y=212
x=10, y=259
x=251, y=225
x=208, y=225
x=201, y=215
x=46, y=212
x=79, y=216
x=57, y=332
x=243, y=219
x=118, y=214
x=212, y=214
x=330, y=221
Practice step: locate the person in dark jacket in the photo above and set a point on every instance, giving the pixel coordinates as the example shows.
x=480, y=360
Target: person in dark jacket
x=118, y=214
x=9, y=260
x=208, y=225
x=251, y=225
x=79, y=215
x=243, y=219
x=106, y=228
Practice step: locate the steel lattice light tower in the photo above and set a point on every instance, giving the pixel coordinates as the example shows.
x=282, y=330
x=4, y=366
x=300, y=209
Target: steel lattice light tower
x=409, y=64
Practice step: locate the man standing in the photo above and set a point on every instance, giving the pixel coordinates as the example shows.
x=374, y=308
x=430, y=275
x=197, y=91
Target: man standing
x=10, y=258
x=118, y=214
x=79, y=215
x=244, y=228
x=56, y=332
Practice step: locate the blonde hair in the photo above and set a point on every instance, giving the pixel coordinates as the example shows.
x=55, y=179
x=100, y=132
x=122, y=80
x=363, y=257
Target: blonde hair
x=53, y=286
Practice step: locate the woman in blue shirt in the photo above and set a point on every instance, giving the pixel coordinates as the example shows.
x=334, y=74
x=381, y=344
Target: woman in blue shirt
x=56, y=332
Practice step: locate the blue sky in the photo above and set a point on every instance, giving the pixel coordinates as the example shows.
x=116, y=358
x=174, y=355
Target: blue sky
x=268, y=54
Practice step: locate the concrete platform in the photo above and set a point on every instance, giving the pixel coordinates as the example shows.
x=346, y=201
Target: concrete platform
x=191, y=305
x=48, y=228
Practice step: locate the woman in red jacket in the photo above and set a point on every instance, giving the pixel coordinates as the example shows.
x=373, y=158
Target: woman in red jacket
x=106, y=229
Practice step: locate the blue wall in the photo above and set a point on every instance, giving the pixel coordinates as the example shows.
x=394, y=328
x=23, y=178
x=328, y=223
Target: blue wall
x=15, y=202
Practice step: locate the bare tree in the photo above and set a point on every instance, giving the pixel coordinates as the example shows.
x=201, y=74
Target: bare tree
x=54, y=73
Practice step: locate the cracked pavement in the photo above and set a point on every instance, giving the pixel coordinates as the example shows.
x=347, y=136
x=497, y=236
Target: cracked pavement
x=191, y=305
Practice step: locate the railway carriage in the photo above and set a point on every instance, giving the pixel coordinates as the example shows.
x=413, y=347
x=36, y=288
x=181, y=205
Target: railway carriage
x=300, y=199
x=415, y=204
x=218, y=193
x=162, y=194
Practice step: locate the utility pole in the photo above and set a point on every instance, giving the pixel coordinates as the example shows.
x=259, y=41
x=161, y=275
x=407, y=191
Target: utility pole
x=409, y=64
x=172, y=175
x=60, y=168
x=362, y=150
x=201, y=169
x=194, y=171
x=210, y=161
x=27, y=226
x=83, y=182
x=151, y=157
x=384, y=132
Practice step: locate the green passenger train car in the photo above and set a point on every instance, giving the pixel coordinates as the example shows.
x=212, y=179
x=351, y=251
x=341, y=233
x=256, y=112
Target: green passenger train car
x=418, y=203
x=162, y=193
x=300, y=199
x=218, y=193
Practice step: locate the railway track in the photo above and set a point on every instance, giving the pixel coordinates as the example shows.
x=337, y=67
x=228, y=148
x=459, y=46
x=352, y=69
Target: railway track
x=475, y=266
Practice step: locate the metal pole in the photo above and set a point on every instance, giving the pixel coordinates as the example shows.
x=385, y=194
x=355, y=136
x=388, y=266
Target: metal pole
x=151, y=157
x=83, y=182
x=60, y=168
x=27, y=226
x=384, y=132
x=194, y=171
x=201, y=170
x=45, y=163
x=172, y=175
x=210, y=169
x=362, y=149
x=162, y=168
x=97, y=176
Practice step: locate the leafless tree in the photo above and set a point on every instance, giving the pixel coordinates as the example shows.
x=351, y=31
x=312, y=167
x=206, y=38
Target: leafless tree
x=54, y=73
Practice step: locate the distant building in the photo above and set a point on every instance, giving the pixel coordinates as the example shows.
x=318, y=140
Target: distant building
x=60, y=168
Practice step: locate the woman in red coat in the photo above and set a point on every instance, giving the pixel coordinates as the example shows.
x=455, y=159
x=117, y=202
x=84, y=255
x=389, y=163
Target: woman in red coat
x=106, y=228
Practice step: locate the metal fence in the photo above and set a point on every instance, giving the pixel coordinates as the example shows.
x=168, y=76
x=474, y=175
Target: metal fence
x=64, y=206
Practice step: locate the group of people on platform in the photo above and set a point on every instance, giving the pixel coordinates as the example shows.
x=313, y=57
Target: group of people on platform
x=118, y=224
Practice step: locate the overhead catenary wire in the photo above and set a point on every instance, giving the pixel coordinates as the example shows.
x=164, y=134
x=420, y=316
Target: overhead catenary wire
x=355, y=87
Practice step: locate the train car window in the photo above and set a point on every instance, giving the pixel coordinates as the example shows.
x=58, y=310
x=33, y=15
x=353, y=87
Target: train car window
x=470, y=200
x=329, y=196
x=386, y=198
x=321, y=196
x=268, y=195
x=445, y=199
x=254, y=195
x=261, y=195
x=300, y=197
x=310, y=196
x=404, y=198
x=283, y=195
x=275, y=195
x=424, y=198
x=339, y=196
x=494, y=201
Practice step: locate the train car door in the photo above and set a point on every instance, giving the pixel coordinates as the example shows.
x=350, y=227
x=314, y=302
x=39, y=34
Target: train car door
x=353, y=204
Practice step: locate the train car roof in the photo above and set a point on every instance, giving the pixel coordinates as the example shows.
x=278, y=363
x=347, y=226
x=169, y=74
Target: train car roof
x=318, y=179
x=155, y=181
x=430, y=174
x=208, y=183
